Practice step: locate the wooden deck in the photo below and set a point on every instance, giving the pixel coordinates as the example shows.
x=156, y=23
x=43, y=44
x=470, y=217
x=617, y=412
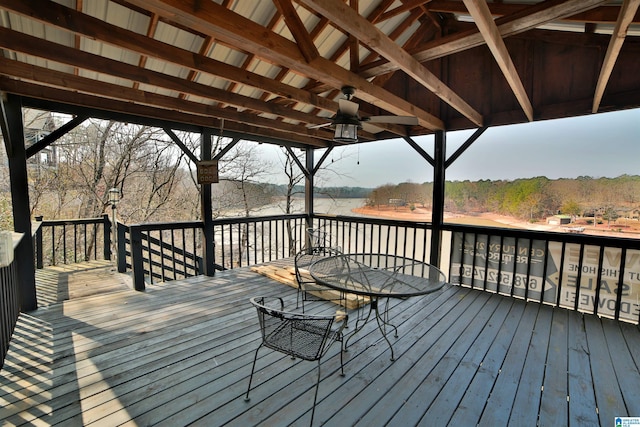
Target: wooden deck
x=180, y=354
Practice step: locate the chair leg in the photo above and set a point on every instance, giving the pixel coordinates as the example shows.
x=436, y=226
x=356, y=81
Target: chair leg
x=315, y=396
x=342, y=358
x=253, y=367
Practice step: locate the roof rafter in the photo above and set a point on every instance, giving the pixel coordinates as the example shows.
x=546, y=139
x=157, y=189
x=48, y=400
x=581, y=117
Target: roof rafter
x=344, y=16
x=79, y=84
x=524, y=20
x=71, y=20
x=300, y=33
x=94, y=102
x=605, y=14
x=627, y=12
x=55, y=52
x=482, y=17
x=211, y=18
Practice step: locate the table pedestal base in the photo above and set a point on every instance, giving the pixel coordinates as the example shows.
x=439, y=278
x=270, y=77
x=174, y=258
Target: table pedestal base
x=381, y=319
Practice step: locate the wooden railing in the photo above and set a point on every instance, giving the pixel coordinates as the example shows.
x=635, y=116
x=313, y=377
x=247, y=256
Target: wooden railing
x=599, y=275
x=71, y=241
x=9, y=305
x=160, y=251
x=592, y=274
x=171, y=251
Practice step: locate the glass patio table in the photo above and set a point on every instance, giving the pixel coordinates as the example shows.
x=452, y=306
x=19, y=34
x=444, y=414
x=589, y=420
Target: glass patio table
x=376, y=277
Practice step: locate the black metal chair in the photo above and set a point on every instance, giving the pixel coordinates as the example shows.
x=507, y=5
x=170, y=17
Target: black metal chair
x=309, y=289
x=306, y=336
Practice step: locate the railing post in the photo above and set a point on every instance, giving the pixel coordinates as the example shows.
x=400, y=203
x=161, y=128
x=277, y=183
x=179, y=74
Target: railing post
x=38, y=243
x=137, y=263
x=107, y=236
x=122, y=247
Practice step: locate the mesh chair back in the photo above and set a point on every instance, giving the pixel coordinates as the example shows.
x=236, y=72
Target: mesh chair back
x=300, y=335
x=308, y=287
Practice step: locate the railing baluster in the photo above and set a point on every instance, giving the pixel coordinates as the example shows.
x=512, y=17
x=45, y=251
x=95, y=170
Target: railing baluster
x=545, y=266
x=500, y=255
x=64, y=243
x=576, y=302
x=198, y=268
x=162, y=267
x=473, y=264
x=255, y=239
x=560, y=273
x=53, y=245
x=75, y=243
x=149, y=256
x=623, y=263
x=596, y=297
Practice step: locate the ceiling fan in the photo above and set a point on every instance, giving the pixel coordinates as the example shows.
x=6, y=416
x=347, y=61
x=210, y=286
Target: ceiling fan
x=347, y=122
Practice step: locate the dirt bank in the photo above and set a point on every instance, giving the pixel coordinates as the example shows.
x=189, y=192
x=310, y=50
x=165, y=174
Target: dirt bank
x=489, y=219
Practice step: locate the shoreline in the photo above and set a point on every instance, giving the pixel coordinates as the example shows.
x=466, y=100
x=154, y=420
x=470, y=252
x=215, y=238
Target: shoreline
x=484, y=219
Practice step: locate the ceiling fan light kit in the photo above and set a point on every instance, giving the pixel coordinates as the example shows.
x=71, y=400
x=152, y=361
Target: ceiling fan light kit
x=346, y=128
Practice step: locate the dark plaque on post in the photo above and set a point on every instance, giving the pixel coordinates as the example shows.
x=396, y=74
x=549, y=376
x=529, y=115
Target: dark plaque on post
x=207, y=171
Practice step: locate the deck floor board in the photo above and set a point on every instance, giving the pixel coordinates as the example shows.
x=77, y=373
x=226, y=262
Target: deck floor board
x=180, y=354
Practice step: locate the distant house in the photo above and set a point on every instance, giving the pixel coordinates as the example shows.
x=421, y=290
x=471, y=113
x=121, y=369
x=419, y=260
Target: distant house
x=397, y=202
x=559, y=220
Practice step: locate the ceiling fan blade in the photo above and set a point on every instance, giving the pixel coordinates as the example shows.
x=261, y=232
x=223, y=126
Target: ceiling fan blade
x=371, y=128
x=398, y=120
x=320, y=125
x=347, y=107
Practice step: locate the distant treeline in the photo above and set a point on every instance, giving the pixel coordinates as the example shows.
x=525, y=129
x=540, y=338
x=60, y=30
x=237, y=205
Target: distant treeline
x=325, y=192
x=531, y=198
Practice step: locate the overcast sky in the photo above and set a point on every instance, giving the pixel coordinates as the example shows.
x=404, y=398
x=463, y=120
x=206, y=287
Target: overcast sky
x=599, y=145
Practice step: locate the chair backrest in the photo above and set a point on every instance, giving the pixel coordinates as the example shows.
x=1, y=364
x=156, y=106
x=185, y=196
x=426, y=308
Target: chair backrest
x=308, y=256
x=302, y=335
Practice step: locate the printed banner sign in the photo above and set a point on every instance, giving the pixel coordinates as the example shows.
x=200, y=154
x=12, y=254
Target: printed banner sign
x=531, y=269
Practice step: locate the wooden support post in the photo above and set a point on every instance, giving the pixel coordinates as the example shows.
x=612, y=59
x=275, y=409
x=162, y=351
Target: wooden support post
x=437, y=218
x=308, y=194
x=206, y=209
x=13, y=133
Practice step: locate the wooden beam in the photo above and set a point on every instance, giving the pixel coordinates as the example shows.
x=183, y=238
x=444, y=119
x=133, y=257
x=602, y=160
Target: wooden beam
x=484, y=21
x=627, y=12
x=343, y=16
x=297, y=161
x=52, y=51
x=91, y=101
x=70, y=20
x=452, y=158
x=181, y=145
x=213, y=19
x=297, y=28
x=420, y=150
x=606, y=14
x=65, y=81
x=527, y=19
x=32, y=150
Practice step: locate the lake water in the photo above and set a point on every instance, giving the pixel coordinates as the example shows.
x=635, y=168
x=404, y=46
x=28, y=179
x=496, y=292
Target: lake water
x=321, y=206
